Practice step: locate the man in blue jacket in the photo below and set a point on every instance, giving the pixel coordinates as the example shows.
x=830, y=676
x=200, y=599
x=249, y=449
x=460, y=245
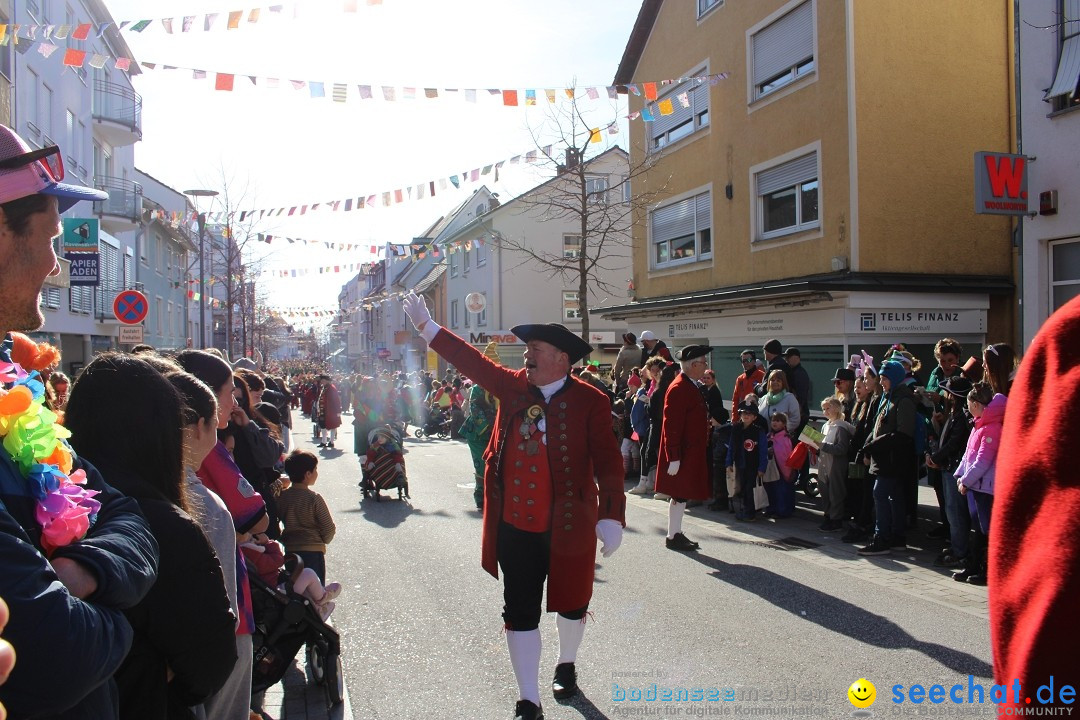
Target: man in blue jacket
x=66, y=623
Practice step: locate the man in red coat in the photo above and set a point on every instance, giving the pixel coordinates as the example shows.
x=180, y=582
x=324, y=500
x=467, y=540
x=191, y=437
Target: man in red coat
x=328, y=411
x=683, y=471
x=553, y=484
x=1034, y=577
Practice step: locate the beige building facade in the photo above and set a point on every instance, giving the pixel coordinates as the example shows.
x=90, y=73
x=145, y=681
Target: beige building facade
x=821, y=191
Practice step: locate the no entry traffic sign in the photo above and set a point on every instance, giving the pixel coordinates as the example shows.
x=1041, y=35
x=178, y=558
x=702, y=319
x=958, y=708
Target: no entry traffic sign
x=130, y=307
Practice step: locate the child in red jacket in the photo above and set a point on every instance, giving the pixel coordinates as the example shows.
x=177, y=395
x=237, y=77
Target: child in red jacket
x=267, y=557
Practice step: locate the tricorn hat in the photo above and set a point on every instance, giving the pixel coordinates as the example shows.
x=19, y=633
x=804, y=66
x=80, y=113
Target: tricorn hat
x=557, y=335
x=748, y=407
x=958, y=385
x=844, y=374
x=692, y=351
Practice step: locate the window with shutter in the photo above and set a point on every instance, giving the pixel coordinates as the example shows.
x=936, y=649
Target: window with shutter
x=687, y=107
x=783, y=51
x=787, y=197
x=682, y=231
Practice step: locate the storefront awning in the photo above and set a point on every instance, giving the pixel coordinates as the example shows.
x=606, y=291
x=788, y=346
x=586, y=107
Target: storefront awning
x=1068, y=72
x=810, y=286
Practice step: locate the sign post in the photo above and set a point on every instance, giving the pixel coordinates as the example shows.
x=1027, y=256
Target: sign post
x=130, y=307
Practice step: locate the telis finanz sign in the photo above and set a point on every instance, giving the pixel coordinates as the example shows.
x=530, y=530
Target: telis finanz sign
x=1001, y=184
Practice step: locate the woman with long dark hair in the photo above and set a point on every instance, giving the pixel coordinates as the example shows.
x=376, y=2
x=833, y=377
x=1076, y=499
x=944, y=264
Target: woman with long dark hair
x=126, y=418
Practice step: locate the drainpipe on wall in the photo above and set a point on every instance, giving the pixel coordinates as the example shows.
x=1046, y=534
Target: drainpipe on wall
x=1018, y=241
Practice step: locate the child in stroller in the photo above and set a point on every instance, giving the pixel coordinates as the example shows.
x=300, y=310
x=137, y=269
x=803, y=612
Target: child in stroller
x=285, y=621
x=268, y=559
x=385, y=465
x=436, y=423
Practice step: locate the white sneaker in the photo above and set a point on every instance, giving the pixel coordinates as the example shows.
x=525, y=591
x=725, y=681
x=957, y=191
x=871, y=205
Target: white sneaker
x=325, y=608
x=661, y=496
x=640, y=488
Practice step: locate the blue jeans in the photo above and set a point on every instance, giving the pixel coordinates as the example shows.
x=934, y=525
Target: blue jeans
x=957, y=511
x=889, y=506
x=981, y=505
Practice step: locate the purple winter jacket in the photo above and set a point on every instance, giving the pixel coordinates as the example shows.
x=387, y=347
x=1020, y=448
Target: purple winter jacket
x=976, y=469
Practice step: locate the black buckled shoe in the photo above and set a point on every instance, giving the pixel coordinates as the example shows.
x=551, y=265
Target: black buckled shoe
x=565, y=683
x=525, y=710
x=681, y=542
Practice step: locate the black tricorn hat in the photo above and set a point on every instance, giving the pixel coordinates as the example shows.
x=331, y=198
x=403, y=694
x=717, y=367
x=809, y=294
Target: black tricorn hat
x=844, y=374
x=958, y=385
x=692, y=351
x=557, y=335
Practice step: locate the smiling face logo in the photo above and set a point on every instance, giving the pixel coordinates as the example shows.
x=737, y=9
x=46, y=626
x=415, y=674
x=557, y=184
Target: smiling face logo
x=862, y=693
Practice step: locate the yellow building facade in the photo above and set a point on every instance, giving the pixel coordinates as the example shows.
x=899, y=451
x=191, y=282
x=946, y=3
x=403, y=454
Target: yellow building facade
x=813, y=161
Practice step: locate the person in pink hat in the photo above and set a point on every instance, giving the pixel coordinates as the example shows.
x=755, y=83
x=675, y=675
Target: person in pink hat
x=65, y=583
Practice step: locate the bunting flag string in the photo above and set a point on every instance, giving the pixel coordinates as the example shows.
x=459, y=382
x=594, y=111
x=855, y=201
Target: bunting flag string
x=339, y=246
x=341, y=92
x=234, y=20
x=389, y=198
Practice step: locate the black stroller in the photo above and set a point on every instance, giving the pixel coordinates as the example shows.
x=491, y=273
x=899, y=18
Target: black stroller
x=437, y=423
x=385, y=474
x=284, y=621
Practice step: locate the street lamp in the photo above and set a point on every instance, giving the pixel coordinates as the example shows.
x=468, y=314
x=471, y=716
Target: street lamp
x=202, y=260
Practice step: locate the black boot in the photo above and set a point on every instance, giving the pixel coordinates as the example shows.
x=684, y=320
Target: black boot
x=977, y=553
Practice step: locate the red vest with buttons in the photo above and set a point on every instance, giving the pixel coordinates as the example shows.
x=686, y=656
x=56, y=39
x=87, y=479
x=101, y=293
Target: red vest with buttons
x=526, y=485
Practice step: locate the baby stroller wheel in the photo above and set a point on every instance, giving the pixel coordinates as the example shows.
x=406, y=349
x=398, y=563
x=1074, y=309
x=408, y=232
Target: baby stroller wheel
x=419, y=432
x=334, y=680
x=443, y=434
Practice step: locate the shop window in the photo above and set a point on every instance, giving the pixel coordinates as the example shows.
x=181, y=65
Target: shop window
x=1064, y=272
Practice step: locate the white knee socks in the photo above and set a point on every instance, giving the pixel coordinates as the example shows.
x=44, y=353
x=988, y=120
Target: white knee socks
x=570, y=634
x=675, y=512
x=525, y=658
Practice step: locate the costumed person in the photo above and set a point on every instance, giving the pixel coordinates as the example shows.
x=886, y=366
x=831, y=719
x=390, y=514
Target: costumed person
x=683, y=471
x=385, y=464
x=477, y=428
x=76, y=553
x=328, y=409
x=552, y=486
x=1034, y=544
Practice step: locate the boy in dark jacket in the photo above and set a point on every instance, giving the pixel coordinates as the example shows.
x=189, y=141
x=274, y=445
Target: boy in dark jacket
x=747, y=457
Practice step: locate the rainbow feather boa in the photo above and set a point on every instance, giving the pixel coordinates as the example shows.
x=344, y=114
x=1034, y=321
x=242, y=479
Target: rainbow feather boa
x=34, y=440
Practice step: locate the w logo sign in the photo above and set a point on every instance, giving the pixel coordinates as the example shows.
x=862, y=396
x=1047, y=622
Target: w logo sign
x=1001, y=184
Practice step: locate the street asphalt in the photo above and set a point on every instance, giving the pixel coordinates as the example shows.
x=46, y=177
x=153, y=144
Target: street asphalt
x=768, y=619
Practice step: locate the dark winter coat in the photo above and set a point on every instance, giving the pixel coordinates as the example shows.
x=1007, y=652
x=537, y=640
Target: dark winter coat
x=68, y=649
x=184, y=624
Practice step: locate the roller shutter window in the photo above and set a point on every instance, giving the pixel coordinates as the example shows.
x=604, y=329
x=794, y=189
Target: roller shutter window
x=683, y=121
x=788, y=197
x=784, y=50
x=681, y=231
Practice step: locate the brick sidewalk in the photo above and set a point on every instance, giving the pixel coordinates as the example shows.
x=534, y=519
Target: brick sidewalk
x=297, y=697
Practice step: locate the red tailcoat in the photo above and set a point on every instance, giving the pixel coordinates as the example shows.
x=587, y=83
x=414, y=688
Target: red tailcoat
x=684, y=436
x=586, y=467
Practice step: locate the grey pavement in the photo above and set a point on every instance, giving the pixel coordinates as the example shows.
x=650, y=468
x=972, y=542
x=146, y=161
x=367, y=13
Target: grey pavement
x=770, y=605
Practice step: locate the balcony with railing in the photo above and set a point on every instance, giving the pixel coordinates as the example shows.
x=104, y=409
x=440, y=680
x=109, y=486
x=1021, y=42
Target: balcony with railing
x=123, y=210
x=117, y=113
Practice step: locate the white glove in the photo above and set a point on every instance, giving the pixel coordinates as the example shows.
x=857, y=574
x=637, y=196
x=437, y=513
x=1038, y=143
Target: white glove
x=673, y=467
x=370, y=466
x=416, y=309
x=609, y=532
x=398, y=467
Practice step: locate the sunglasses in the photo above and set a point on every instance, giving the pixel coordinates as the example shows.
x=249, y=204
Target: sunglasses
x=49, y=157
x=745, y=361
